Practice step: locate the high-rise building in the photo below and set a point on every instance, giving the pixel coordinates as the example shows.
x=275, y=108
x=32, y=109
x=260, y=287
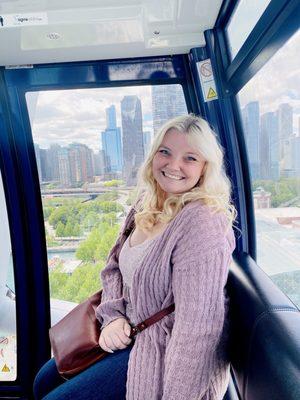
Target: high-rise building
x=269, y=147
x=285, y=130
x=250, y=114
x=167, y=102
x=64, y=167
x=53, y=152
x=147, y=142
x=111, y=143
x=295, y=146
x=133, y=145
x=41, y=156
x=111, y=121
x=99, y=163
x=44, y=165
x=38, y=161
x=81, y=163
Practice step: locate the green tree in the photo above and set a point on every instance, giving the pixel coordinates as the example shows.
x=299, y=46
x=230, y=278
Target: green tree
x=60, y=230
x=106, y=242
x=84, y=281
x=76, y=230
x=68, y=229
x=86, y=249
x=60, y=214
x=90, y=220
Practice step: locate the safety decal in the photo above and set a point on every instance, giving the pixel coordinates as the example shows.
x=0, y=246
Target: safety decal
x=207, y=80
x=8, y=358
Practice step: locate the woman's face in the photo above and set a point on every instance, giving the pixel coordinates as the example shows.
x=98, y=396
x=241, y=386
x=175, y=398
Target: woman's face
x=177, y=158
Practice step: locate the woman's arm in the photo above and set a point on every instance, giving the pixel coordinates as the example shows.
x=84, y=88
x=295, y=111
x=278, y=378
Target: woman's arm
x=200, y=269
x=112, y=303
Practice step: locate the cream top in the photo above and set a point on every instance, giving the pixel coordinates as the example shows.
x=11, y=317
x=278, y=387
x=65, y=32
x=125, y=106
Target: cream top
x=129, y=259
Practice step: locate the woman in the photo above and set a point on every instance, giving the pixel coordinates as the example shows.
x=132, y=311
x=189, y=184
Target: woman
x=178, y=252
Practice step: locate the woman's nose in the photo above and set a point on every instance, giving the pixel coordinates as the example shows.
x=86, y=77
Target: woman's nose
x=174, y=165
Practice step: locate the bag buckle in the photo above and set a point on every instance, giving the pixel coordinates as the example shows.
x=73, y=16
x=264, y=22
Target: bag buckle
x=138, y=328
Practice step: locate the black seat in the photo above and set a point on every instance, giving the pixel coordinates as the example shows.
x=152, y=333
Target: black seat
x=265, y=335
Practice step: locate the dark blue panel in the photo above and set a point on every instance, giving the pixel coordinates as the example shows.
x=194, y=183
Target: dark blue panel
x=105, y=73
x=226, y=12
x=27, y=335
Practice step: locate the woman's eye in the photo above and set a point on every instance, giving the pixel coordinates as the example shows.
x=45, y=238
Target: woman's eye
x=194, y=159
x=163, y=150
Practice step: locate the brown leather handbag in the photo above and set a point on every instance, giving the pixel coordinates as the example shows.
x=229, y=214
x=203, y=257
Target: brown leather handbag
x=75, y=338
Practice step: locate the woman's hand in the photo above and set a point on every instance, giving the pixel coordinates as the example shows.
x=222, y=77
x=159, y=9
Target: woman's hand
x=115, y=336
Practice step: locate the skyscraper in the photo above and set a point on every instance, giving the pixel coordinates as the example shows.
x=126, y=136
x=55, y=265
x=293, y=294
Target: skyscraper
x=147, y=142
x=295, y=146
x=285, y=129
x=111, y=142
x=111, y=121
x=269, y=147
x=81, y=163
x=250, y=114
x=133, y=146
x=53, y=161
x=167, y=102
x=64, y=167
x=38, y=161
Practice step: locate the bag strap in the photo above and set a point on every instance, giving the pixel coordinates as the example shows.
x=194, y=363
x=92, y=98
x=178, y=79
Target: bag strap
x=152, y=320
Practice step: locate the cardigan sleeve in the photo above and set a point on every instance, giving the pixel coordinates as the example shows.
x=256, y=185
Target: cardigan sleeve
x=200, y=269
x=112, y=302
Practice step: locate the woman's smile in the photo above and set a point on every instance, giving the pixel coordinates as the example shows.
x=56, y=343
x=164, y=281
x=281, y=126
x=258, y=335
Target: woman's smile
x=172, y=177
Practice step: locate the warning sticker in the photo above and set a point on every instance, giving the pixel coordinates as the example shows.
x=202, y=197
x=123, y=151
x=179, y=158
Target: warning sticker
x=207, y=80
x=8, y=358
x=28, y=19
x=5, y=368
x=211, y=93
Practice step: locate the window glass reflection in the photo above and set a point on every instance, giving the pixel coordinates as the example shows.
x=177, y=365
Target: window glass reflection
x=270, y=105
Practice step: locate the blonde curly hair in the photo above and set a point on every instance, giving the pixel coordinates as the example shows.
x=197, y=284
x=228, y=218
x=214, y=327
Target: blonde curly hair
x=213, y=188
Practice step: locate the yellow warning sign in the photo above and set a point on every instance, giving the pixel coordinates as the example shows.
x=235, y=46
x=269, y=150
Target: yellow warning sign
x=5, y=368
x=211, y=93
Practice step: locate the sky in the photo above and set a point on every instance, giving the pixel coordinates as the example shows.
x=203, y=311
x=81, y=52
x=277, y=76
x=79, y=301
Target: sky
x=68, y=116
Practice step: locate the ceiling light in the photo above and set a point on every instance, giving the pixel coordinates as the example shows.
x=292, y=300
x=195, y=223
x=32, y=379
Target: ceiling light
x=53, y=36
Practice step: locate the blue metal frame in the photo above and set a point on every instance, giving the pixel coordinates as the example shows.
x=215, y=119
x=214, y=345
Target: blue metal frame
x=22, y=259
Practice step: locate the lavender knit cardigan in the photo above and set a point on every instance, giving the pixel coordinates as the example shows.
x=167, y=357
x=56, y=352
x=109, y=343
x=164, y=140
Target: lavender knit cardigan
x=183, y=356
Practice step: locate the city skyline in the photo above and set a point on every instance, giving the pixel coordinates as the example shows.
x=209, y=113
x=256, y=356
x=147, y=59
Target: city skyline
x=121, y=150
x=267, y=136
x=273, y=147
